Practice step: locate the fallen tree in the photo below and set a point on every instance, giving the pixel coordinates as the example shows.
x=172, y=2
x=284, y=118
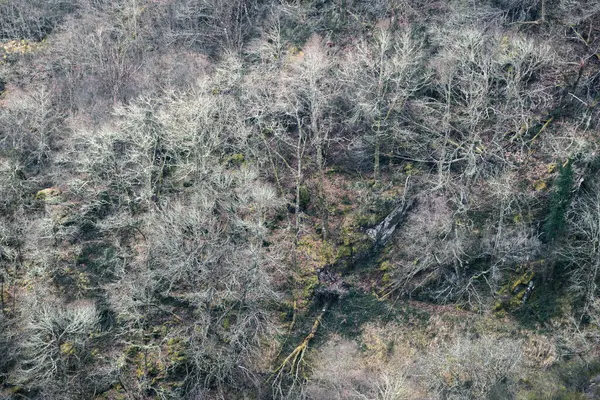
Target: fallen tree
x=293, y=365
x=331, y=288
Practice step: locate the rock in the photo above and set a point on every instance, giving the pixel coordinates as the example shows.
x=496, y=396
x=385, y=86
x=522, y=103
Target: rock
x=382, y=233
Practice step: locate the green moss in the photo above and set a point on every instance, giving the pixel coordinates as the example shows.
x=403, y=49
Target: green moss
x=132, y=350
x=226, y=323
x=344, y=251
x=351, y=240
x=17, y=389
x=308, y=285
x=386, y=278
x=236, y=160
x=524, y=279
x=513, y=291
x=540, y=185
x=67, y=349
x=366, y=219
x=385, y=266
x=50, y=195
x=321, y=252
x=159, y=331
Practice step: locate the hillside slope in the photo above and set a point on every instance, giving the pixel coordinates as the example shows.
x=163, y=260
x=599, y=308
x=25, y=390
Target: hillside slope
x=323, y=199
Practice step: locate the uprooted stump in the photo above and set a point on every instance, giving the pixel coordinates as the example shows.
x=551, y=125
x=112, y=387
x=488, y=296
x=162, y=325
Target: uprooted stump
x=331, y=286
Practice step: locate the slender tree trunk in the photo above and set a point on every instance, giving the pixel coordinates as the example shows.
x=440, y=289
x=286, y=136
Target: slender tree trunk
x=321, y=167
x=343, y=11
x=298, y=175
x=442, y=156
x=324, y=204
x=380, y=94
x=2, y=294
x=376, y=156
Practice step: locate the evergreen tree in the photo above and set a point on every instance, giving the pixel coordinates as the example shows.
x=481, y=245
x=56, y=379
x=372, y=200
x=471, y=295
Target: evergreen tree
x=559, y=202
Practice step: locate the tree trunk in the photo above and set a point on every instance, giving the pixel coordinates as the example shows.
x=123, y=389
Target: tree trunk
x=376, y=156
x=299, y=154
x=321, y=167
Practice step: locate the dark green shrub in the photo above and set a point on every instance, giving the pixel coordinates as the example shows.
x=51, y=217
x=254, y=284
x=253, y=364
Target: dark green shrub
x=304, y=199
x=559, y=202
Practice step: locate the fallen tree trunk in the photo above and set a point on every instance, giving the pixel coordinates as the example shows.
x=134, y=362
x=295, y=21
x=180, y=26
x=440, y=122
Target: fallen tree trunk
x=293, y=364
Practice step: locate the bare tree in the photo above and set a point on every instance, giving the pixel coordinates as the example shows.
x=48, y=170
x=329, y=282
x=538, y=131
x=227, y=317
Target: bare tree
x=201, y=247
x=32, y=19
x=194, y=253
x=582, y=251
x=210, y=24
x=474, y=369
x=485, y=95
x=55, y=345
x=307, y=92
x=381, y=76
x=30, y=127
x=298, y=109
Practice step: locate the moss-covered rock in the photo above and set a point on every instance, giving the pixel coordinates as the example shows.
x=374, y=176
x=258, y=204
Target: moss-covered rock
x=514, y=290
